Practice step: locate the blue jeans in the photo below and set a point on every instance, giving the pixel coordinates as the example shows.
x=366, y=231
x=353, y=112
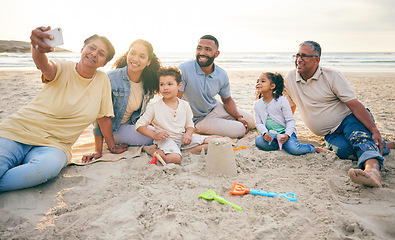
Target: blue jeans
x=23, y=166
x=352, y=140
x=292, y=146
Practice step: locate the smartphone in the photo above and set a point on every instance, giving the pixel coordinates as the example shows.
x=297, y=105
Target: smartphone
x=57, y=37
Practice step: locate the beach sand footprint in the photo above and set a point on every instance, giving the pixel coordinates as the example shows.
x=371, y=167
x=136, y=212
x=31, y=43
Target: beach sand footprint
x=366, y=208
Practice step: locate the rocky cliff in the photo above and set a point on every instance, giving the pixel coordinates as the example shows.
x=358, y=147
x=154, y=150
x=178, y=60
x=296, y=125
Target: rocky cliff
x=20, y=47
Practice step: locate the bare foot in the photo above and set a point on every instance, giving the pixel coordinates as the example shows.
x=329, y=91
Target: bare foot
x=321, y=150
x=391, y=145
x=370, y=178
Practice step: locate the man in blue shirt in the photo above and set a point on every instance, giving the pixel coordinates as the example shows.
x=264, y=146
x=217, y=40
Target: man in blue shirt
x=202, y=80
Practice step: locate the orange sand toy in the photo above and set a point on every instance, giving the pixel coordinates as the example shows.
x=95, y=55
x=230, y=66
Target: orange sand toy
x=238, y=148
x=238, y=189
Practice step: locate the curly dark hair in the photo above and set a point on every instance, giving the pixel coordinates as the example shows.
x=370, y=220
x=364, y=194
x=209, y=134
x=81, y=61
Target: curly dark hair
x=278, y=80
x=149, y=77
x=170, y=71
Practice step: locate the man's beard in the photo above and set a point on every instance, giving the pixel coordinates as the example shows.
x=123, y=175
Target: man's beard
x=209, y=61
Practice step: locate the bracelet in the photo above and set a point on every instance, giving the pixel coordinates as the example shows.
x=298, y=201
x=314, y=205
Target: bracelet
x=110, y=149
x=240, y=116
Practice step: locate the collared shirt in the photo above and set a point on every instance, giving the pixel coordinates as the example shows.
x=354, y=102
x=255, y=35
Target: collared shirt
x=200, y=90
x=320, y=99
x=120, y=89
x=279, y=111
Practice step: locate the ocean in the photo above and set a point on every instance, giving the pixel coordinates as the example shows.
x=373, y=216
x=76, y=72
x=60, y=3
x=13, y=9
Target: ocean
x=259, y=61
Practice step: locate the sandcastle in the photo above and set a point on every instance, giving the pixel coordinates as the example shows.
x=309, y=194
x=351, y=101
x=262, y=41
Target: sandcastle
x=220, y=158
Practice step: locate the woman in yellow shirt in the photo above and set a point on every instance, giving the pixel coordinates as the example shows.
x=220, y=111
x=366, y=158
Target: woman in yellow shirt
x=35, y=142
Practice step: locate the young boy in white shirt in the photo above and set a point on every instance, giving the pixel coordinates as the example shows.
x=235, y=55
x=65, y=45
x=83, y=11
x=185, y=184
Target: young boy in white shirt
x=171, y=119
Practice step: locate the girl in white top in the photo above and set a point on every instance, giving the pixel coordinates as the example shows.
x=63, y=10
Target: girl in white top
x=171, y=119
x=273, y=112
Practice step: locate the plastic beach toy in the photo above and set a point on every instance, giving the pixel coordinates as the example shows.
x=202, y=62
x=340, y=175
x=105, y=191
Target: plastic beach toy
x=272, y=134
x=279, y=137
x=238, y=189
x=154, y=160
x=211, y=195
x=157, y=157
x=238, y=148
x=156, y=154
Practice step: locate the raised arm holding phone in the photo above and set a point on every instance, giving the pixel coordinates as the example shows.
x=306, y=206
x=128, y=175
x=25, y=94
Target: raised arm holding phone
x=35, y=142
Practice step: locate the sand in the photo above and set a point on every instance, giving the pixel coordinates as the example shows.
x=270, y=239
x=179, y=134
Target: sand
x=130, y=199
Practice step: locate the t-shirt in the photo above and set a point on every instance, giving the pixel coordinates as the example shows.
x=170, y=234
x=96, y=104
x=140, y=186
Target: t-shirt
x=165, y=119
x=62, y=110
x=200, y=90
x=272, y=125
x=320, y=99
x=135, y=99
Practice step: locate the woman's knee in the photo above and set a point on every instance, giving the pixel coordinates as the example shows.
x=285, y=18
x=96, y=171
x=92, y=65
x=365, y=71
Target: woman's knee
x=48, y=160
x=11, y=154
x=126, y=134
x=141, y=141
x=40, y=165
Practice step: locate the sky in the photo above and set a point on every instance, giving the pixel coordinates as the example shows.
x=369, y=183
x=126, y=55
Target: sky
x=240, y=26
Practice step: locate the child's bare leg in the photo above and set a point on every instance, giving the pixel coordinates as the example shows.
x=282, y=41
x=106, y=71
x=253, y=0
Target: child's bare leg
x=170, y=157
x=198, y=149
x=151, y=149
x=321, y=150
